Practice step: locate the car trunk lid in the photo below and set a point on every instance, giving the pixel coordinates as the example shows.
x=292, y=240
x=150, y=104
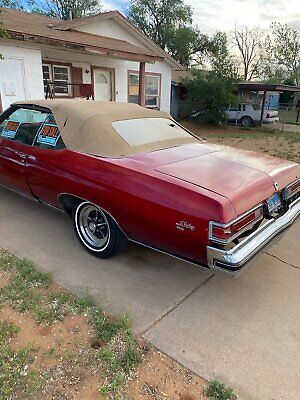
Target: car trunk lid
x=243, y=177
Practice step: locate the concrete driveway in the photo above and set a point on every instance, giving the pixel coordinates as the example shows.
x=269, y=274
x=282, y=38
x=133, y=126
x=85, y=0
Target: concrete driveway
x=244, y=331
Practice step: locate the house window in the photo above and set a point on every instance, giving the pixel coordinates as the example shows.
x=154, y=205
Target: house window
x=47, y=76
x=152, y=91
x=60, y=76
x=133, y=88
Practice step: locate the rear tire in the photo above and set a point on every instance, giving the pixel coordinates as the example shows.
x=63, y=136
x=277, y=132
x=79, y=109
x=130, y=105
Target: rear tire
x=97, y=232
x=247, y=122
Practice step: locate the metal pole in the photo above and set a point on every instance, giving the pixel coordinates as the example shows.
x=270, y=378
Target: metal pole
x=262, y=108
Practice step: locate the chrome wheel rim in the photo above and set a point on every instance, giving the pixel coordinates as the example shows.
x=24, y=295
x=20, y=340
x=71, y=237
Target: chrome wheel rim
x=92, y=227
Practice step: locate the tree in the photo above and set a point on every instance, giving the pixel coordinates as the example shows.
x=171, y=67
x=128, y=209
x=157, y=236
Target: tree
x=189, y=46
x=248, y=44
x=62, y=9
x=212, y=95
x=169, y=24
x=219, y=58
x=283, y=51
x=17, y=4
x=195, y=49
x=3, y=33
x=161, y=20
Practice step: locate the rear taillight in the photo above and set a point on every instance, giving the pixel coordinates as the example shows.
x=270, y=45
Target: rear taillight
x=225, y=233
x=291, y=190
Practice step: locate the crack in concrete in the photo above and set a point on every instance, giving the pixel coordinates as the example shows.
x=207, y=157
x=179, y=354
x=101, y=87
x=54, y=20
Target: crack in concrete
x=279, y=259
x=172, y=308
x=203, y=283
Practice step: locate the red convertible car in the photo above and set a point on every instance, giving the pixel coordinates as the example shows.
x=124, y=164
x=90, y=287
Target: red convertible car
x=123, y=172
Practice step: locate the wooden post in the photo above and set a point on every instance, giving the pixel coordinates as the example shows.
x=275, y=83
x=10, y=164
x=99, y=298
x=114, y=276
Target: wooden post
x=142, y=84
x=262, y=108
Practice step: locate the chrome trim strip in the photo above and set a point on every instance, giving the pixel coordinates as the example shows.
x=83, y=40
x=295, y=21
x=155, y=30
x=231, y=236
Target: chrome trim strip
x=233, y=260
x=169, y=254
x=219, y=224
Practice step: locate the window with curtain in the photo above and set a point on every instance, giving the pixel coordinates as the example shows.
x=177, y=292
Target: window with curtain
x=152, y=91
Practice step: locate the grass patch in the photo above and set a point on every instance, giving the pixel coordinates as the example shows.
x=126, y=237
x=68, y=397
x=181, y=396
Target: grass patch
x=15, y=377
x=274, y=142
x=106, y=328
x=218, y=391
x=7, y=331
x=18, y=295
x=28, y=290
x=26, y=271
x=14, y=374
x=119, y=355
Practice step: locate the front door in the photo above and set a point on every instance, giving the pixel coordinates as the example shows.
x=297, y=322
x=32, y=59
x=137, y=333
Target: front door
x=12, y=81
x=102, y=85
x=18, y=128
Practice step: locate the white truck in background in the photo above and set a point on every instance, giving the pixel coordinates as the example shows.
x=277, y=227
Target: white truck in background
x=250, y=114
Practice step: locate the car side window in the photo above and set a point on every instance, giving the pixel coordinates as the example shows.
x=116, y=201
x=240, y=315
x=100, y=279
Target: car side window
x=22, y=125
x=235, y=108
x=48, y=136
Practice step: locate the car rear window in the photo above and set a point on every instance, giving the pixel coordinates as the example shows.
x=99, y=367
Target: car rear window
x=138, y=132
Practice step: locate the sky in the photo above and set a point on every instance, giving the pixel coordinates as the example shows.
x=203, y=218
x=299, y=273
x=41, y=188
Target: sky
x=213, y=15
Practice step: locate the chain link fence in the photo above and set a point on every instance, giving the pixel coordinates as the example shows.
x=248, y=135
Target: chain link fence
x=288, y=114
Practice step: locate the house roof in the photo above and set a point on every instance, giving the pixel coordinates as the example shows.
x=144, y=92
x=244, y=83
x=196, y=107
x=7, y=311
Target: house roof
x=77, y=22
x=41, y=29
x=74, y=23
x=268, y=87
x=179, y=76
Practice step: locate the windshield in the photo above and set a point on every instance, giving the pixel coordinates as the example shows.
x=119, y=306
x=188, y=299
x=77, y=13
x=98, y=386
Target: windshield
x=143, y=131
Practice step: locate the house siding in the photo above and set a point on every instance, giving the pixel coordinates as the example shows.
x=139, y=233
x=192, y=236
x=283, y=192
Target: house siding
x=109, y=28
x=121, y=68
x=28, y=63
x=30, y=57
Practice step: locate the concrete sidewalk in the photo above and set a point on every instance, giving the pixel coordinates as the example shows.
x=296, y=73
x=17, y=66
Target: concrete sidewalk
x=244, y=331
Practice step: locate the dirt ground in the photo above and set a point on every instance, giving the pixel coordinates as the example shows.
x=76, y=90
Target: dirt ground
x=160, y=377
x=64, y=359
x=275, y=143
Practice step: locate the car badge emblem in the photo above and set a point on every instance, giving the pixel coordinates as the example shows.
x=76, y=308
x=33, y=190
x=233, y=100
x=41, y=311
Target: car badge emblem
x=276, y=186
x=183, y=225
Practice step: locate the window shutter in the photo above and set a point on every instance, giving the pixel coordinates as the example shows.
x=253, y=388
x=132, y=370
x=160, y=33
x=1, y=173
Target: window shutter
x=77, y=80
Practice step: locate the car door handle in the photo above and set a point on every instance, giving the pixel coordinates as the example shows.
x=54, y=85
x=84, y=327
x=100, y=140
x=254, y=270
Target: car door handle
x=22, y=155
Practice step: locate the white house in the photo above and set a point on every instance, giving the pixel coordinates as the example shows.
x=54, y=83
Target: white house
x=104, y=54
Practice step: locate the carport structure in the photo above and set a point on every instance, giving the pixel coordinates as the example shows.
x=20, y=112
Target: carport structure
x=265, y=88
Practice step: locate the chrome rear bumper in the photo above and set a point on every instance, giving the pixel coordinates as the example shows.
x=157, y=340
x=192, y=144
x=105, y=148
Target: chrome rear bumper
x=233, y=260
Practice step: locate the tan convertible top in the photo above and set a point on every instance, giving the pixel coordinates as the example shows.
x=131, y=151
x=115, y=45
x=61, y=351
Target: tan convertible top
x=86, y=126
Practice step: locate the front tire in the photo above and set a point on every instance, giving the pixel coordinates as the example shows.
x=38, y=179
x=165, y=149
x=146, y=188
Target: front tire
x=97, y=232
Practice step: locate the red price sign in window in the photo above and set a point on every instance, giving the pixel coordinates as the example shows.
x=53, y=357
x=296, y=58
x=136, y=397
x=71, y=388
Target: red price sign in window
x=49, y=134
x=10, y=129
